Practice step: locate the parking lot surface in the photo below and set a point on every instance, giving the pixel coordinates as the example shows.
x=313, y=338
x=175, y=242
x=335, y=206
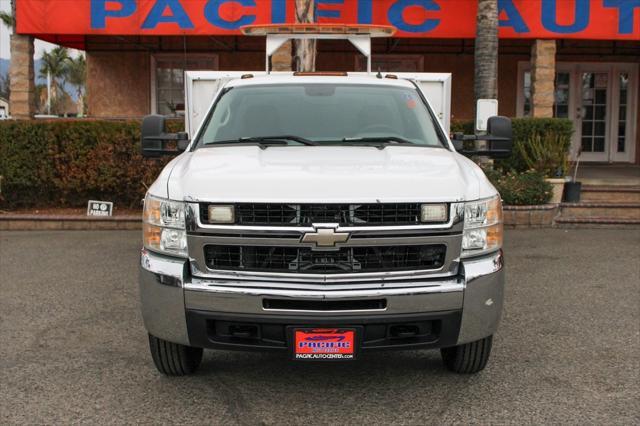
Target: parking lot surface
x=73, y=348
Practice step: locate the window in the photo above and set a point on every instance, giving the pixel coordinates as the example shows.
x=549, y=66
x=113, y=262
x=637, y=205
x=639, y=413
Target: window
x=168, y=75
x=561, y=96
x=622, y=112
x=325, y=113
x=594, y=88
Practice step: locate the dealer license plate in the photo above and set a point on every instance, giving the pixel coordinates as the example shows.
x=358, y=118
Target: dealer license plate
x=324, y=344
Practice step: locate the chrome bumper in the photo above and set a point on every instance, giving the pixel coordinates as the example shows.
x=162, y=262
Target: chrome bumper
x=167, y=290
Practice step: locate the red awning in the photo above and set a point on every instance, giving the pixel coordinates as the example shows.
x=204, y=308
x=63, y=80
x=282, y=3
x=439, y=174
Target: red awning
x=68, y=21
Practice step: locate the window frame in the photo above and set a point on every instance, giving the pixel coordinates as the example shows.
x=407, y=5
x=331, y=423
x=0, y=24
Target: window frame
x=525, y=66
x=178, y=57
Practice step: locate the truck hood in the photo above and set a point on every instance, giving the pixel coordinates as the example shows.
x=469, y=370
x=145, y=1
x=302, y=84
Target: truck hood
x=328, y=174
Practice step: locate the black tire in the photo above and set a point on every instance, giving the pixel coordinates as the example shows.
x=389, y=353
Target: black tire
x=173, y=359
x=469, y=358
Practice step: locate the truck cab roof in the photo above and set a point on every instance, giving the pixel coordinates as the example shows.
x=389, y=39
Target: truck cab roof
x=272, y=79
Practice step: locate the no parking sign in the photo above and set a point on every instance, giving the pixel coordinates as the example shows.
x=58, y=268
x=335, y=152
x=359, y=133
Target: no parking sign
x=99, y=208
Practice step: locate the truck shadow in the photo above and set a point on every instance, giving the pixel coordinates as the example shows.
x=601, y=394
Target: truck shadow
x=278, y=367
x=379, y=385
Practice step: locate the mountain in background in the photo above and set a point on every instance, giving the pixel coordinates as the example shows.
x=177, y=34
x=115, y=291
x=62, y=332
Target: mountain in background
x=4, y=71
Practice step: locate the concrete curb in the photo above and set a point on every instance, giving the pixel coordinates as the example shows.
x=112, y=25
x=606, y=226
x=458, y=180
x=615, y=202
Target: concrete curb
x=541, y=216
x=15, y=222
x=514, y=217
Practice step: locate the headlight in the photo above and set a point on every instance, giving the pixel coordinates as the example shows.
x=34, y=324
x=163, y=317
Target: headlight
x=164, y=226
x=483, y=231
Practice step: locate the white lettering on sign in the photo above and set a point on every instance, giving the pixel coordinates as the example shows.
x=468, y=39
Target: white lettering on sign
x=99, y=208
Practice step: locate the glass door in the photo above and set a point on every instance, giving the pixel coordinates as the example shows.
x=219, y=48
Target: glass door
x=605, y=122
x=593, y=115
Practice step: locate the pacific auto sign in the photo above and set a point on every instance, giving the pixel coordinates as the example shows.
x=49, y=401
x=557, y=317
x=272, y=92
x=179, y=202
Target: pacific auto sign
x=587, y=19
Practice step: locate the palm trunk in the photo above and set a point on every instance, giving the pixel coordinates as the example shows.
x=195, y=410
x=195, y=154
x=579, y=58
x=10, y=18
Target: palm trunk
x=486, y=59
x=305, y=50
x=486, y=50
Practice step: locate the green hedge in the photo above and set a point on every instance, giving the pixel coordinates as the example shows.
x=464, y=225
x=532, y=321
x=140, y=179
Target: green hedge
x=66, y=163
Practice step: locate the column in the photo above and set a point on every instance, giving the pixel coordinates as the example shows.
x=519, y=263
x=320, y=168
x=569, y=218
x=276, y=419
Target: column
x=543, y=76
x=22, y=99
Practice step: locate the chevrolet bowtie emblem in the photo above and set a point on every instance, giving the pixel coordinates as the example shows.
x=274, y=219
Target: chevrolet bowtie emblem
x=325, y=237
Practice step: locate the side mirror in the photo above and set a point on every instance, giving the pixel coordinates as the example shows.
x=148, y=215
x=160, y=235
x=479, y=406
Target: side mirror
x=156, y=142
x=499, y=136
x=499, y=139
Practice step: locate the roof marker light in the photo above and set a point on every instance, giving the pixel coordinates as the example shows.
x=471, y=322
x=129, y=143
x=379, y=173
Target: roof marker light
x=322, y=73
x=370, y=30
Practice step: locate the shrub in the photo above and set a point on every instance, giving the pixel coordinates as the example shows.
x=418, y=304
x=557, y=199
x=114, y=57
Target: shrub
x=547, y=153
x=521, y=189
x=529, y=130
x=65, y=163
x=552, y=132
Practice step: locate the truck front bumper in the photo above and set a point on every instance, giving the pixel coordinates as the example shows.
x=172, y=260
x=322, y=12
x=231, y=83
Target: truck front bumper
x=243, y=315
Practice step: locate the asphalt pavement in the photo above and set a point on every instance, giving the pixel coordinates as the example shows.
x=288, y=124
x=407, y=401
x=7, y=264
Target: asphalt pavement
x=73, y=348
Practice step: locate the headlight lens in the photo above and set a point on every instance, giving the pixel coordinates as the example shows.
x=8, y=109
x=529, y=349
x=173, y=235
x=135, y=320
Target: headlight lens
x=164, y=226
x=483, y=230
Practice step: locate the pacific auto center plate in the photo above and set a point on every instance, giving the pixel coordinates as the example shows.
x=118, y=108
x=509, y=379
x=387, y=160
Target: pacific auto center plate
x=324, y=344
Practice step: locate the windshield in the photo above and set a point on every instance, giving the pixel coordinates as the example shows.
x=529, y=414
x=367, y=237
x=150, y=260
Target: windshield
x=321, y=113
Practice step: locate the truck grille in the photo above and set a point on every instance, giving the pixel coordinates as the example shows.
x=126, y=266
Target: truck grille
x=304, y=260
x=269, y=214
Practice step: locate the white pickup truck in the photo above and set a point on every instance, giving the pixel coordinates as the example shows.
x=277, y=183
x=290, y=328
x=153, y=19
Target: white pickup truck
x=322, y=216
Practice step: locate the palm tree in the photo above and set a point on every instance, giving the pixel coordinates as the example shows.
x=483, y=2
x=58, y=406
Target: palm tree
x=7, y=19
x=76, y=73
x=54, y=66
x=486, y=50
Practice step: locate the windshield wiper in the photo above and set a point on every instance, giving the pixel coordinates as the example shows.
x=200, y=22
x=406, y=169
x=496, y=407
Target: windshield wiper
x=383, y=140
x=266, y=140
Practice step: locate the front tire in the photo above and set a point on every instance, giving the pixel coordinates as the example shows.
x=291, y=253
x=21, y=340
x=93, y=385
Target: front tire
x=173, y=359
x=469, y=358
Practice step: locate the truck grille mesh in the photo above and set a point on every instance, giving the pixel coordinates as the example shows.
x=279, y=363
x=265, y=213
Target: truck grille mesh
x=269, y=214
x=304, y=260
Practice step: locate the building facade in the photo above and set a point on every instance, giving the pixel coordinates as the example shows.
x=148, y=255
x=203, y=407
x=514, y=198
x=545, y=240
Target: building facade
x=575, y=59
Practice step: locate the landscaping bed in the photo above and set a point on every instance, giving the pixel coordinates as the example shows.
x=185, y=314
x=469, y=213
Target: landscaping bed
x=65, y=163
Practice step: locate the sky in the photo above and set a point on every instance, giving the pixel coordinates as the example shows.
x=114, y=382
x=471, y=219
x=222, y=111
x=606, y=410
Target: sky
x=40, y=46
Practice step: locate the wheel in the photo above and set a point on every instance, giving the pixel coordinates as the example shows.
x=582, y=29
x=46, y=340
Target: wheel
x=173, y=359
x=468, y=358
